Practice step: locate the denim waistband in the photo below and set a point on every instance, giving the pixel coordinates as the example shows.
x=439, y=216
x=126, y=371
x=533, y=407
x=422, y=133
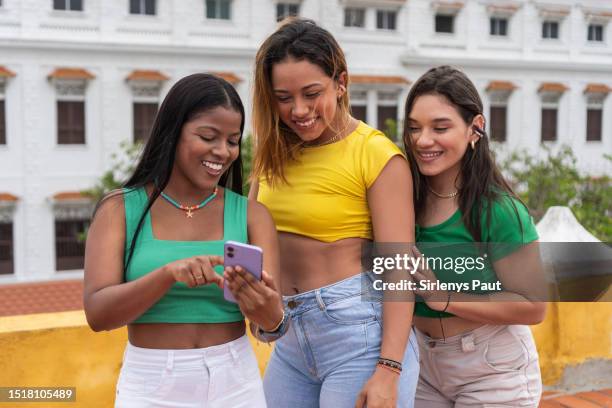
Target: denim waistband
x=356, y=285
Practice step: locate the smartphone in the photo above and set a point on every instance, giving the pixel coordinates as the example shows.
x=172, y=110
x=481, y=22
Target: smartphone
x=249, y=257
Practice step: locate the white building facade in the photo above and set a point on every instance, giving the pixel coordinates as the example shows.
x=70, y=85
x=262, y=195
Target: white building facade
x=77, y=77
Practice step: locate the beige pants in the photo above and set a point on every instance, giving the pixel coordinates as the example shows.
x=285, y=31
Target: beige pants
x=491, y=366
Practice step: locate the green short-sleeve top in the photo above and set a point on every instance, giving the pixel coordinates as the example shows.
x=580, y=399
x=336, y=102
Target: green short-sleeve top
x=510, y=227
x=181, y=304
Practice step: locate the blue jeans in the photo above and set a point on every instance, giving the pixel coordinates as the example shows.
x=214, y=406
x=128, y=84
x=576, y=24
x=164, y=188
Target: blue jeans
x=331, y=350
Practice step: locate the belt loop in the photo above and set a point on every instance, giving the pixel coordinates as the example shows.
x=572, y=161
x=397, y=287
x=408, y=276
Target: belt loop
x=170, y=360
x=320, y=299
x=234, y=352
x=467, y=343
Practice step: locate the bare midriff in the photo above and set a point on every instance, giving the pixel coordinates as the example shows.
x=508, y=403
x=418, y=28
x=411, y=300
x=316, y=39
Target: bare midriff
x=308, y=264
x=433, y=327
x=183, y=335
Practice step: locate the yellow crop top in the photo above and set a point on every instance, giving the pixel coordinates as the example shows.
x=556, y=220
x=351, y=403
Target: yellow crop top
x=325, y=197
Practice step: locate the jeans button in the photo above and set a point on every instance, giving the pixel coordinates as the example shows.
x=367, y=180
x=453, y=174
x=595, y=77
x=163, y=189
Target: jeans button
x=292, y=304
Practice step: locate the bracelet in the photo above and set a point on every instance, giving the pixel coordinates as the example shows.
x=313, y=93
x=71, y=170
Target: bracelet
x=277, y=326
x=395, y=370
x=386, y=362
x=447, y=301
x=277, y=333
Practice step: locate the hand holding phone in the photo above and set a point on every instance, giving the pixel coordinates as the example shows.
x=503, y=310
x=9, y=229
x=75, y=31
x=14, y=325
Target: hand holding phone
x=249, y=257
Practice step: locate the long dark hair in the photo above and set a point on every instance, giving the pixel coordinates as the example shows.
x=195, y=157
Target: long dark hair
x=189, y=97
x=482, y=182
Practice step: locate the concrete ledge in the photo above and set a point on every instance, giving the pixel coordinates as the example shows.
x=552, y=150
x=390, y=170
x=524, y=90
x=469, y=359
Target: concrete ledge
x=59, y=349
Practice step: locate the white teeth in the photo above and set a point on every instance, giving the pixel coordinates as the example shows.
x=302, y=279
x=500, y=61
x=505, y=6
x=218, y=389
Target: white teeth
x=430, y=155
x=306, y=123
x=211, y=165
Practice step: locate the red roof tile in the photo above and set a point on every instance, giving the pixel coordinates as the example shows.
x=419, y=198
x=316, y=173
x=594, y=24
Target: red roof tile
x=229, y=77
x=378, y=79
x=597, y=88
x=41, y=297
x=596, y=398
x=457, y=5
x=71, y=73
x=70, y=195
x=142, y=75
x=500, y=86
x=502, y=8
x=8, y=197
x=593, y=399
x=551, y=404
x=4, y=72
x=552, y=87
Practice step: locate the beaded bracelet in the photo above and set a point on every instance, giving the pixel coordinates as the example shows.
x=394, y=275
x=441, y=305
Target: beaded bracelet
x=390, y=363
x=395, y=370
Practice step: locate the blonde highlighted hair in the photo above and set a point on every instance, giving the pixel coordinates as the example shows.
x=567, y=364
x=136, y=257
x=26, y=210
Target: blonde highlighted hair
x=275, y=143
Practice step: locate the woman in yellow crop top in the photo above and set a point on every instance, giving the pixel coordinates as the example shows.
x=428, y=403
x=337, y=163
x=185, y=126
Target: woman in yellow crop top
x=331, y=183
x=154, y=255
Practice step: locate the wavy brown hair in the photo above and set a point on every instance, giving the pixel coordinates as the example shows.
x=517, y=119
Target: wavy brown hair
x=481, y=180
x=301, y=39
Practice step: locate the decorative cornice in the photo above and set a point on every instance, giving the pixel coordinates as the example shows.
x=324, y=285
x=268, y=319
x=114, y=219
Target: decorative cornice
x=447, y=7
x=378, y=80
x=8, y=203
x=8, y=197
x=552, y=12
x=70, y=81
x=553, y=87
x=72, y=205
x=597, y=88
x=146, y=75
x=500, y=86
x=6, y=73
x=71, y=73
x=229, y=77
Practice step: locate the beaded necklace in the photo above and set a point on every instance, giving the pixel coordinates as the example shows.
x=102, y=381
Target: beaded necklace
x=189, y=209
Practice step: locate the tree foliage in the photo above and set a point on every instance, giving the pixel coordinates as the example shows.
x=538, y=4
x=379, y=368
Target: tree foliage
x=555, y=180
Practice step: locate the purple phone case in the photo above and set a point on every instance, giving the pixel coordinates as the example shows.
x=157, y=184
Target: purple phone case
x=250, y=257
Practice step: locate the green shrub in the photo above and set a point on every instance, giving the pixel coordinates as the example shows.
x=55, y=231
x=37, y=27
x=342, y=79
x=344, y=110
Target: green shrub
x=555, y=180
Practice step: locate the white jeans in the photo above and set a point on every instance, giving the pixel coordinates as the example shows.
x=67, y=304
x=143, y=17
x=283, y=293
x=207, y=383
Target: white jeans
x=221, y=376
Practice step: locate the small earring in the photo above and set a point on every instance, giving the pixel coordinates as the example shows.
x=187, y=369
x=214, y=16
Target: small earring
x=473, y=143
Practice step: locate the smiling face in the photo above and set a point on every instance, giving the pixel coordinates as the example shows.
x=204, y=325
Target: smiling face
x=306, y=98
x=208, y=145
x=439, y=135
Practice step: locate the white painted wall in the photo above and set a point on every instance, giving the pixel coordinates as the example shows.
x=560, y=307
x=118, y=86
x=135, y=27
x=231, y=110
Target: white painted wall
x=110, y=43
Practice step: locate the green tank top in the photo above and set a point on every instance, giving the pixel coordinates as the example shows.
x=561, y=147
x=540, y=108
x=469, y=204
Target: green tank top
x=452, y=245
x=181, y=304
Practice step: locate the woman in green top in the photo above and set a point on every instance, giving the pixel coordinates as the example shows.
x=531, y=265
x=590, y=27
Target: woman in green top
x=476, y=349
x=154, y=255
